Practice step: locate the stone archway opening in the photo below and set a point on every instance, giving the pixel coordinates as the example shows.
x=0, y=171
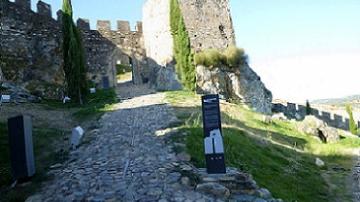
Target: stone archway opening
x=124, y=69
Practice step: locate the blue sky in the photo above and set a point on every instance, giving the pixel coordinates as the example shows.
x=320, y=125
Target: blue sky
x=302, y=49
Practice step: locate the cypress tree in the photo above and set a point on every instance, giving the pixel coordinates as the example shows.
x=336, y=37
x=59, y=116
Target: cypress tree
x=352, y=125
x=185, y=67
x=308, y=108
x=73, y=53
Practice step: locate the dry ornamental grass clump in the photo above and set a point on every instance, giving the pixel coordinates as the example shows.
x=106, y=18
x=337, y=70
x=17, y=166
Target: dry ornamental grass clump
x=231, y=57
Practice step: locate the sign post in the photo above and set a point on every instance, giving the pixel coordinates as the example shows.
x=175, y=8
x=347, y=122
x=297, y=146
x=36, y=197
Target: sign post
x=213, y=140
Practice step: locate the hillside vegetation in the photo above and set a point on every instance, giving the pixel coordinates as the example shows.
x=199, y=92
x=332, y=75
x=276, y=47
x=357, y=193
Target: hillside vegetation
x=279, y=157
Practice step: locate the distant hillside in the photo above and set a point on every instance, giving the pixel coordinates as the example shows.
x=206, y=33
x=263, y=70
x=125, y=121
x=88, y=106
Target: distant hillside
x=354, y=100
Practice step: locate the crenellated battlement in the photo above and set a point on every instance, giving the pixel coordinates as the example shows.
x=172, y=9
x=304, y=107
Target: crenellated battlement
x=31, y=41
x=24, y=3
x=139, y=27
x=123, y=26
x=23, y=9
x=43, y=9
x=83, y=24
x=103, y=25
x=297, y=111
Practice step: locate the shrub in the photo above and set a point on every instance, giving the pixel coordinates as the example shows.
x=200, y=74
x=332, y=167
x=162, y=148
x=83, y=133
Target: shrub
x=200, y=58
x=352, y=125
x=231, y=57
x=235, y=56
x=209, y=58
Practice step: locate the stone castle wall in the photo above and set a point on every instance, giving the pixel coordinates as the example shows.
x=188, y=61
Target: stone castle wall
x=297, y=111
x=159, y=40
x=30, y=47
x=31, y=54
x=104, y=48
x=208, y=23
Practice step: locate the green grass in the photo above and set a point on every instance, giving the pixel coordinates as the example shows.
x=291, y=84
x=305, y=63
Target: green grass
x=96, y=105
x=124, y=72
x=46, y=154
x=280, y=158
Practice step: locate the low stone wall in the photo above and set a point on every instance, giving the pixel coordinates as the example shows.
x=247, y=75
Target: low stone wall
x=296, y=111
x=232, y=186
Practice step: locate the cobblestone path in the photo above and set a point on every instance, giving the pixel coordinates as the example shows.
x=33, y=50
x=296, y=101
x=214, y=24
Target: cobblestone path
x=125, y=161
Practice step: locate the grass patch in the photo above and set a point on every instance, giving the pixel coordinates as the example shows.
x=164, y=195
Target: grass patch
x=124, y=72
x=96, y=105
x=46, y=154
x=280, y=158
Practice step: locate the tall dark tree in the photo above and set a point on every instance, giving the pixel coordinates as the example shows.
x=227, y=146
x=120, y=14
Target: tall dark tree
x=308, y=108
x=185, y=67
x=73, y=52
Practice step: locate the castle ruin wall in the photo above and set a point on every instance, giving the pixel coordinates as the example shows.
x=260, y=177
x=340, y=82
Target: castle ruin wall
x=296, y=111
x=208, y=23
x=31, y=53
x=31, y=48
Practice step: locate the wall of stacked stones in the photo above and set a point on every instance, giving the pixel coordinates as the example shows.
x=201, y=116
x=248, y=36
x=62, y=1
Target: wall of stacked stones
x=209, y=23
x=295, y=111
x=31, y=54
x=104, y=48
x=31, y=47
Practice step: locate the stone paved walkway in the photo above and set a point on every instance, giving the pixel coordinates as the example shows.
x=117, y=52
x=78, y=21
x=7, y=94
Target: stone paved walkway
x=126, y=161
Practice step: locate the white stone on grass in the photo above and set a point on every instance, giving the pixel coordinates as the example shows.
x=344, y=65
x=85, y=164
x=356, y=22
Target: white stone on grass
x=319, y=162
x=77, y=134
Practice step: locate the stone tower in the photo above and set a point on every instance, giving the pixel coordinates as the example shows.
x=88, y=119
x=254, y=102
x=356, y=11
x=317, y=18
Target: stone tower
x=208, y=23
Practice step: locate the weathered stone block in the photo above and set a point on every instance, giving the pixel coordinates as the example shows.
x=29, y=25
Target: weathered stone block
x=123, y=26
x=43, y=8
x=83, y=24
x=104, y=25
x=139, y=27
x=24, y=3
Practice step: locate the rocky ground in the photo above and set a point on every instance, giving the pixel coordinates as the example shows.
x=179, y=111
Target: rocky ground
x=125, y=162
x=356, y=177
x=128, y=160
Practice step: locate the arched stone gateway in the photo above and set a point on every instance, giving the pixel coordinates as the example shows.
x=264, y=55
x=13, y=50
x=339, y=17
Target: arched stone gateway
x=106, y=48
